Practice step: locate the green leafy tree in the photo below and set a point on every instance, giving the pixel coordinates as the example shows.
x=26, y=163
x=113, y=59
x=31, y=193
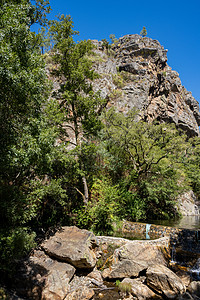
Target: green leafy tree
x=146, y=157
x=191, y=162
x=101, y=211
x=28, y=134
x=143, y=33
x=78, y=101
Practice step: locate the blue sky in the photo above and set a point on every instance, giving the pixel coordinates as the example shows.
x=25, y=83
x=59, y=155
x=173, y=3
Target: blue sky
x=175, y=24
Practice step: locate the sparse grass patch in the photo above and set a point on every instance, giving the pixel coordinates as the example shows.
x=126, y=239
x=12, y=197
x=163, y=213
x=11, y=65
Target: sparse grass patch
x=118, y=80
x=124, y=287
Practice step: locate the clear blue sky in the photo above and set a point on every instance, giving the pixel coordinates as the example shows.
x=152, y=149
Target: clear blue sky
x=174, y=23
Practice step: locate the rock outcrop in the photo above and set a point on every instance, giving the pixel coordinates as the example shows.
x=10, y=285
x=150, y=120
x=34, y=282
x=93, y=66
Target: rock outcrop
x=135, y=74
x=73, y=246
x=141, y=268
x=188, y=204
x=164, y=281
x=134, y=257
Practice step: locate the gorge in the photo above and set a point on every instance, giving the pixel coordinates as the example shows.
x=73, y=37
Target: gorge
x=92, y=134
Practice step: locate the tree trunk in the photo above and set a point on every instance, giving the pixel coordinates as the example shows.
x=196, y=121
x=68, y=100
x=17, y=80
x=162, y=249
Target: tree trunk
x=78, y=143
x=85, y=200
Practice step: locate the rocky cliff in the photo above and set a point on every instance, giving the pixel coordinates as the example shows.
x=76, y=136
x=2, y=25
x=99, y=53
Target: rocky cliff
x=134, y=74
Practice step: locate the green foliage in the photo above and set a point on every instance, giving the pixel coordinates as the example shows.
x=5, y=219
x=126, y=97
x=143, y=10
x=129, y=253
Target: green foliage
x=118, y=80
x=191, y=162
x=100, y=213
x=147, y=164
x=113, y=38
x=143, y=33
x=132, y=206
x=80, y=104
x=124, y=287
x=3, y=294
x=13, y=245
x=105, y=44
x=27, y=136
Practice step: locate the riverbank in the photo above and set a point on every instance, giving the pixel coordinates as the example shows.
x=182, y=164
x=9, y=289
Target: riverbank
x=76, y=264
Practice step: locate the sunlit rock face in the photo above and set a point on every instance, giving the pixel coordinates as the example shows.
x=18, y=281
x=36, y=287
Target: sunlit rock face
x=134, y=74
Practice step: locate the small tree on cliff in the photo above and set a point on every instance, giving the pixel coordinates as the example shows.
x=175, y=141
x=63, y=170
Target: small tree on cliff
x=143, y=33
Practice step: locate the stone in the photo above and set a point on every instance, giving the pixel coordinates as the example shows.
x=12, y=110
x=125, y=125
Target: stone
x=54, y=276
x=74, y=246
x=133, y=257
x=184, y=276
x=96, y=277
x=194, y=288
x=188, y=204
x=164, y=281
x=82, y=293
x=185, y=296
x=80, y=288
x=139, y=290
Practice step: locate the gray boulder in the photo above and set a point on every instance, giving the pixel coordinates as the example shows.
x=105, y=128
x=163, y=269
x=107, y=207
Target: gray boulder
x=74, y=246
x=135, y=256
x=164, y=281
x=51, y=275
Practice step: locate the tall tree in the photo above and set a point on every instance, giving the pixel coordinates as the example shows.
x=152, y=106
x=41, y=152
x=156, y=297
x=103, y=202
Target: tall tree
x=76, y=96
x=26, y=141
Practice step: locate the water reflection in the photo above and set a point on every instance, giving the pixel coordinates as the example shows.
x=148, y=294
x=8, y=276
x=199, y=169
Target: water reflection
x=187, y=222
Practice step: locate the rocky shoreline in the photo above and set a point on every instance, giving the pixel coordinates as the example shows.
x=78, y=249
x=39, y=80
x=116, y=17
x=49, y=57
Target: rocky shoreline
x=75, y=264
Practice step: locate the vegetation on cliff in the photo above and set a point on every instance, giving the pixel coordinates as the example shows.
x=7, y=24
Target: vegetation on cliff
x=64, y=160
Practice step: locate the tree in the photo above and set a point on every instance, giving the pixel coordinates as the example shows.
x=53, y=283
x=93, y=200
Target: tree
x=113, y=39
x=191, y=162
x=27, y=136
x=77, y=99
x=143, y=33
x=146, y=162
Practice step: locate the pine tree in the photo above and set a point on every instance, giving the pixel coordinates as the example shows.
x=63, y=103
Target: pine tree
x=143, y=33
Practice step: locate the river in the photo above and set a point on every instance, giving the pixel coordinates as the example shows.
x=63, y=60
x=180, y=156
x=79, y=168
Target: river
x=187, y=222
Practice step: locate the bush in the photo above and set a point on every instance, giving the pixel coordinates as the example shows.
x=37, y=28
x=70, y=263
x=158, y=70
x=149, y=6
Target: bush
x=13, y=246
x=100, y=213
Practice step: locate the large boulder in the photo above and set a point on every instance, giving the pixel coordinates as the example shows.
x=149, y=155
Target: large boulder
x=52, y=276
x=164, y=281
x=135, y=256
x=74, y=246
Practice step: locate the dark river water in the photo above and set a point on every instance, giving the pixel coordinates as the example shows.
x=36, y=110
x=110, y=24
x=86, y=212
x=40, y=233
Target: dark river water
x=188, y=222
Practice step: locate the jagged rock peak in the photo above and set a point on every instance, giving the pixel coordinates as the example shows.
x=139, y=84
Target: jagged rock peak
x=135, y=73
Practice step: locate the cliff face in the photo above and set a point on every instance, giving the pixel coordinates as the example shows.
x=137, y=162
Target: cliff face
x=135, y=74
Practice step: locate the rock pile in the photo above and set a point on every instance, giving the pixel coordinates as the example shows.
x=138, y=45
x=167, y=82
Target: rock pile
x=74, y=264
